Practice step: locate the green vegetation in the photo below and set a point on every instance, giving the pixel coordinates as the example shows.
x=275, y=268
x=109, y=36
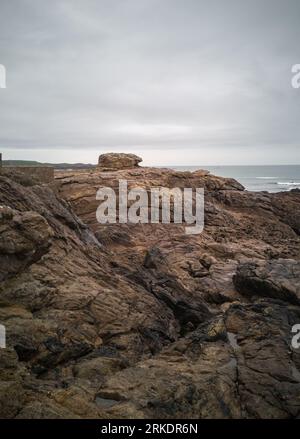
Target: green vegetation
x=55, y=165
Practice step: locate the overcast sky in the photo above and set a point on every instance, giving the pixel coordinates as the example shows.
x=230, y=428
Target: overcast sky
x=175, y=81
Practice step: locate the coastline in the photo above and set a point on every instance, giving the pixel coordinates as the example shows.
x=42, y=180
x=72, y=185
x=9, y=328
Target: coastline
x=270, y=178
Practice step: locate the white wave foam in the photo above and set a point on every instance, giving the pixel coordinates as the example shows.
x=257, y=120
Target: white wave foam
x=266, y=178
x=288, y=183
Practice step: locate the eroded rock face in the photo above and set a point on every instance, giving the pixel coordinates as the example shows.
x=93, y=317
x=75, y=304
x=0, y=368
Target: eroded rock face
x=279, y=279
x=144, y=320
x=118, y=161
x=236, y=365
x=24, y=238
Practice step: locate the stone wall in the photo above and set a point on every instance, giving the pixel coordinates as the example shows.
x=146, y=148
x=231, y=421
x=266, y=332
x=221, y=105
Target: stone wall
x=44, y=174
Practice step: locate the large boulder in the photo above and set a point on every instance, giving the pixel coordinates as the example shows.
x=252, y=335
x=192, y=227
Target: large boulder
x=118, y=161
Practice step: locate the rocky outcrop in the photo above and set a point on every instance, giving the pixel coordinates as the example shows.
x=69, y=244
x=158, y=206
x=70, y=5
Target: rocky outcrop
x=236, y=365
x=143, y=320
x=118, y=161
x=279, y=279
x=24, y=238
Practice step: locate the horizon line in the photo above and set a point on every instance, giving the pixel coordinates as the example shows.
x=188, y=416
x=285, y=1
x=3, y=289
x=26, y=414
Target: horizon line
x=150, y=165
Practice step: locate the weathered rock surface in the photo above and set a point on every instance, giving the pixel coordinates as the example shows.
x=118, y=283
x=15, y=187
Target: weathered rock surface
x=279, y=279
x=118, y=161
x=144, y=320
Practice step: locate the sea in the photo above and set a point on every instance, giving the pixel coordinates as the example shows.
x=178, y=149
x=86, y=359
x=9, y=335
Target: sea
x=256, y=178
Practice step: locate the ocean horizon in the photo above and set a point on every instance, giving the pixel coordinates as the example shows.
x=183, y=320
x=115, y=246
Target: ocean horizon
x=270, y=178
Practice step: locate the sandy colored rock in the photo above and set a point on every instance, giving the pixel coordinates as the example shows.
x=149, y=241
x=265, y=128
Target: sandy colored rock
x=118, y=161
x=143, y=320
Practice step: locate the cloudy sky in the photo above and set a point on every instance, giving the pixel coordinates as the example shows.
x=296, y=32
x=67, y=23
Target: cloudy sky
x=176, y=81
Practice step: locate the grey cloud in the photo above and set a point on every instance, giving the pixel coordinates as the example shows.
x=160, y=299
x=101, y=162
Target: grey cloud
x=151, y=75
